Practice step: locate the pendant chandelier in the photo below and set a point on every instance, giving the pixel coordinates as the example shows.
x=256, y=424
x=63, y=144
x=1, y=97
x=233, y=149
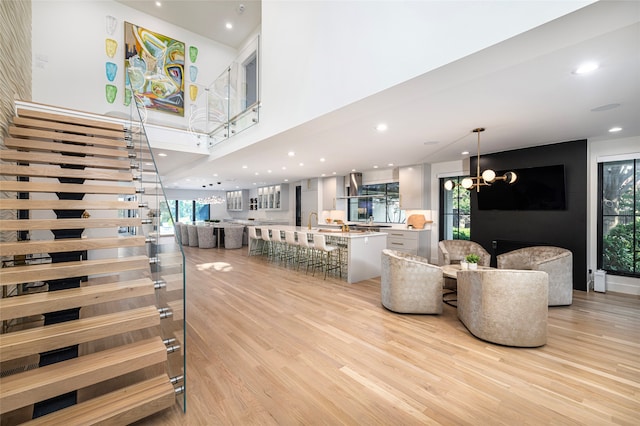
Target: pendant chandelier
x=486, y=178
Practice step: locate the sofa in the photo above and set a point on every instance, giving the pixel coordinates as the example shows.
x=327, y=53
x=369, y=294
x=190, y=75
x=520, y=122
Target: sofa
x=555, y=261
x=409, y=284
x=504, y=306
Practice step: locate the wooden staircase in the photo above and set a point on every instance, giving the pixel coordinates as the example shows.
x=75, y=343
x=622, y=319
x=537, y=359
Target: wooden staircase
x=91, y=334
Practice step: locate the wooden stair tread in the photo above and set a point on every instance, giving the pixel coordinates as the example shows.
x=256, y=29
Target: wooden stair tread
x=51, y=271
x=18, y=204
x=174, y=282
x=56, y=171
x=123, y=406
x=177, y=307
x=67, y=137
x=20, y=390
x=51, y=301
x=41, y=339
x=64, y=127
x=68, y=244
x=62, y=118
x=32, y=224
x=38, y=145
x=15, y=186
x=10, y=155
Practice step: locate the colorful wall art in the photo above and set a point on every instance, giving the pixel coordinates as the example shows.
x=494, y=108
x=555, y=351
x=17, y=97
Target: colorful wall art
x=154, y=64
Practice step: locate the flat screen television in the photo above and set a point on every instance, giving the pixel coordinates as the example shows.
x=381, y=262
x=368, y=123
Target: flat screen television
x=537, y=188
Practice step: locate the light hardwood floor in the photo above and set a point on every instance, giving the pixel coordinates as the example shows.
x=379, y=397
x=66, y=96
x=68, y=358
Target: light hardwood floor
x=268, y=345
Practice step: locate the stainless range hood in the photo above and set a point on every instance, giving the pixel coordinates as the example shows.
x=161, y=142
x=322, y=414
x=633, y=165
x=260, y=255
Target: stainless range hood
x=355, y=184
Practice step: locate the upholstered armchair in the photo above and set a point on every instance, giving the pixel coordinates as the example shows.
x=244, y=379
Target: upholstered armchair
x=453, y=251
x=192, y=231
x=233, y=237
x=184, y=234
x=206, y=239
x=555, y=261
x=504, y=306
x=409, y=284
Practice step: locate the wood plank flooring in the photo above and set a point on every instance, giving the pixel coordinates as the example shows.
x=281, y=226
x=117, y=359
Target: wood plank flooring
x=267, y=345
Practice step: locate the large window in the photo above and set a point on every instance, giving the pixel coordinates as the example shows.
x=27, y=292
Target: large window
x=619, y=217
x=188, y=210
x=382, y=201
x=455, y=211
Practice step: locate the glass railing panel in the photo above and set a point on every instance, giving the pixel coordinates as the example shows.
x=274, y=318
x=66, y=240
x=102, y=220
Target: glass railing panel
x=234, y=97
x=166, y=257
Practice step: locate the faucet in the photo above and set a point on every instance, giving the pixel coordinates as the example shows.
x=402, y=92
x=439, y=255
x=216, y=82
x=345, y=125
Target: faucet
x=309, y=223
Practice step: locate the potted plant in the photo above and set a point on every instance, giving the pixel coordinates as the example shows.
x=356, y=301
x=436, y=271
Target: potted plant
x=472, y=259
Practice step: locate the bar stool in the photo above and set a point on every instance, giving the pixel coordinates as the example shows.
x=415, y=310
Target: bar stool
x=291, y=247
x=266, y=242
x=330, y=257
x=279, y=244
x=305, y=250
x=255, y=242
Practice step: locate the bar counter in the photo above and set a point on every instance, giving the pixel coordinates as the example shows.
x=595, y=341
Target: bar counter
x=364, y=249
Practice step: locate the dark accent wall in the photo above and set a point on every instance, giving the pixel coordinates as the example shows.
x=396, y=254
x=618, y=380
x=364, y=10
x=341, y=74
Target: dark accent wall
x=562, y=228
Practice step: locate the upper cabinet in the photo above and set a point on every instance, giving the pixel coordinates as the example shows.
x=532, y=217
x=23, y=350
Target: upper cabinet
x=332, y=190
x=237, y=200
x=273, y=197
x=413, y=186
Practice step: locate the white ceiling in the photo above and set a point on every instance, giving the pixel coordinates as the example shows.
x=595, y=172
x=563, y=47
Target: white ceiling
x=522, y=91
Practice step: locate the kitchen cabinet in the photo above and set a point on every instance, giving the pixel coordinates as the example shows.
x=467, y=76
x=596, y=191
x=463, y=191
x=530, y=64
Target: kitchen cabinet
x=237, y=200
x=409, y=241
x=332, y=189
x=412, y=187
x=273, y=197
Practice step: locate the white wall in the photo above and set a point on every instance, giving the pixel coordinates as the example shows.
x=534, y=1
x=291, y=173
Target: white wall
x=69, y=56
x=603, y=150
x=318, y=56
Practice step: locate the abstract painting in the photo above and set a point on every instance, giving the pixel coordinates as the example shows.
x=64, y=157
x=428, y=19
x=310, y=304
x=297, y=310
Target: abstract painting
x=154, y=65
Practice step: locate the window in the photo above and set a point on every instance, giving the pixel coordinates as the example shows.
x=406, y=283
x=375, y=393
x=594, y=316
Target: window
x=188, y=210
x=382, y=201
x=455, y=211
x=619, y=217
x=201, y=211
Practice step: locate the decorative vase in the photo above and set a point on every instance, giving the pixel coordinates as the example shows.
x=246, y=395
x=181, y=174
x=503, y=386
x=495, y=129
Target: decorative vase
x=464, y=265
x=473, y=266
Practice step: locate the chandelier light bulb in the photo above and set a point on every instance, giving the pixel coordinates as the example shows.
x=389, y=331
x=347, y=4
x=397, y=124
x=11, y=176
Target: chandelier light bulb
x=467, y=183
x=448, y=185
x=489, y=175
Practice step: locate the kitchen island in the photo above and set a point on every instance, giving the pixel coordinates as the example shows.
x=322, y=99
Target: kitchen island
x=363, y=249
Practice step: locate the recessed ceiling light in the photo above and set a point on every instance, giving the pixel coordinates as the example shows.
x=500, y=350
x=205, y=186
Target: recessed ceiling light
x=353, y=170
x=291, y=154
x=390, y=164
x=381, y=127
x=284, y=167
x=465, y=153
x=301, y=164
x=586, y=68
x=188, y=180
x=334, y=173
x=323, y=175
x=215, y=175
x=244, y=166
x=228, y=25
x=615, y=129
x=159, y=4
x=162, y=154
x=257, y=174
x=268, y=171
x=375, y=166
x=322, y=160
x=286, y=180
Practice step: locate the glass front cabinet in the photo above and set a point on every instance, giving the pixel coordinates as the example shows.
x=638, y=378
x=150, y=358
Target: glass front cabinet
x=273, y=197
x=236, y=200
